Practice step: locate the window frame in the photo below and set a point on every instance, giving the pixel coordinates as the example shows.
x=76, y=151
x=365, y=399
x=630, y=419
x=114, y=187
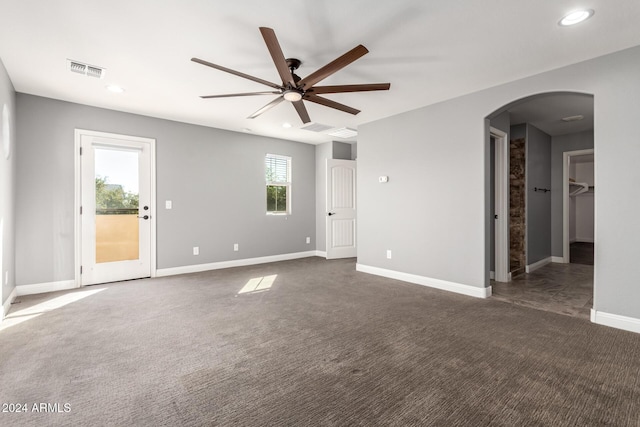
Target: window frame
x=286, y=184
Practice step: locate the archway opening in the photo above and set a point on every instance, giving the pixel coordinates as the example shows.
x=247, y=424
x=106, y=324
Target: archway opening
x=542, y=214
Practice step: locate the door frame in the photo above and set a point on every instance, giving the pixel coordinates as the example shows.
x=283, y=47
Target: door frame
x=565, y=199
x=78, y=133
x=501, y=194
x=328, y=181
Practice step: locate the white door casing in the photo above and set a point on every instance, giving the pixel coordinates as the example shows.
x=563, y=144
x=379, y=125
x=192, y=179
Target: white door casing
x=341, y=209
x=91, y=270
x=566, y=160
x=501, y=191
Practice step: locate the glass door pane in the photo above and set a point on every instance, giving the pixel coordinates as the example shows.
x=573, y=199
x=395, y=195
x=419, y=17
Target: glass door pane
x=117, y=195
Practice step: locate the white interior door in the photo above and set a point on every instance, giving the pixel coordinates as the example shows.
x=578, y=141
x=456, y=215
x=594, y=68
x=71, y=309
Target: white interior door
x=341, y=209
x=116, y=207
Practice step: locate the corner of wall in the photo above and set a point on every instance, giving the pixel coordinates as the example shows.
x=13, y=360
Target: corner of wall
x=7, y=189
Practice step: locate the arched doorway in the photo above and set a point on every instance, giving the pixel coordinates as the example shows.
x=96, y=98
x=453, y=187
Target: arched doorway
x=541, y=130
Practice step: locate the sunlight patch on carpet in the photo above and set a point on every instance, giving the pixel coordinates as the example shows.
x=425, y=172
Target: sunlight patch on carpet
x=258, y=284
x=19, y=316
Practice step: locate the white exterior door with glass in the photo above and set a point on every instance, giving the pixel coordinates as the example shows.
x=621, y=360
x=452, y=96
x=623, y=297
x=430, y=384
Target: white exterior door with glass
x=116, y=212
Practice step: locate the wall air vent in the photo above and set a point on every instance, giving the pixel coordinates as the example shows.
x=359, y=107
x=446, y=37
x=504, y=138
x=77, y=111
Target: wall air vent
x=87, y=70
x=316, y=127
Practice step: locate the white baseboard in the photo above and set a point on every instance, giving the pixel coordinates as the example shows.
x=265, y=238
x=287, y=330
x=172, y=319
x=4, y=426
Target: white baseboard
x=7, y=304
x=41, y=288
x=322, y=254
x=162, y=272
x=557, y=259
x=536, y=265
x=615, y=321
x=427, y=281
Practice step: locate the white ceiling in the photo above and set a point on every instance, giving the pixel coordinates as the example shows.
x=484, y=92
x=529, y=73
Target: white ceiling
x=547, y=111
x=429, y=51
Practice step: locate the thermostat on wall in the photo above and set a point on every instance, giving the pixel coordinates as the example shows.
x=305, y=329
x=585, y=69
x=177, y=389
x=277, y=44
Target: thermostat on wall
x=383, y=178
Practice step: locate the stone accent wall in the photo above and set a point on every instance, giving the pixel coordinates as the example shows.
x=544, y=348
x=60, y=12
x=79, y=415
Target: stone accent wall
x=517, y=226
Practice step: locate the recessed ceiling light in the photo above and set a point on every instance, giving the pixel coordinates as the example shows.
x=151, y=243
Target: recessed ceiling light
x=286, y=125
x=576, y=17
x=114, y=88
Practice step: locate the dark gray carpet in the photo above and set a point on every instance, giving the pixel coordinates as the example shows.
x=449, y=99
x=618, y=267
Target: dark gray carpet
x=323, y=346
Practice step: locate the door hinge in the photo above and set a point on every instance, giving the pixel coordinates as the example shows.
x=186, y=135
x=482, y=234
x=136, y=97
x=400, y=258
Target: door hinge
x=81, y=151
x=80, y=210
x=80, y=269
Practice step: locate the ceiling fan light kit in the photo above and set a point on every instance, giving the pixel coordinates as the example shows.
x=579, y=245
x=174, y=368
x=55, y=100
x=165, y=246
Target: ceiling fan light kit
x=292, y=95
x=295, y=89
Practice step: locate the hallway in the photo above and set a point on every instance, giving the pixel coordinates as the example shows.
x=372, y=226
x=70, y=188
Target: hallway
x=559, y=288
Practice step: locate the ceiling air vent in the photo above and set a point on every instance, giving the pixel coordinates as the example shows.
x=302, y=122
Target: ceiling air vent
x=316, y=127
x=573, y=118
x=343, y=133
x=87, y=70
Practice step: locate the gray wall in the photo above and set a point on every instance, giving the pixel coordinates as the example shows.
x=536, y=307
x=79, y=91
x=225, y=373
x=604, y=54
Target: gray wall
x=519, y=131
x=538, y=203
x=215, y=179
x=435, y=204
x=341, y=150
x=560, y=144
x=7, y=187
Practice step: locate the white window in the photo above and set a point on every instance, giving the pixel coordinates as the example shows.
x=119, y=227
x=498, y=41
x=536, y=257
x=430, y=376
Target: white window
x=278, y=178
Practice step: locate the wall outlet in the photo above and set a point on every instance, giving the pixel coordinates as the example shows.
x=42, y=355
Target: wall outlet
x=308, y=240
x=388, y=253
x=196, y=250
x=168, y=204
x=235, y=247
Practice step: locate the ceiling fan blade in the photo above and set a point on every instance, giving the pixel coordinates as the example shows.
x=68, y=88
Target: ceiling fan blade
x=302, y=111
x=270, y=105
x=236, y=73
x=333, y=66
x=329, y=103
x=229, y=95
x=271, y=40
x=350, y=88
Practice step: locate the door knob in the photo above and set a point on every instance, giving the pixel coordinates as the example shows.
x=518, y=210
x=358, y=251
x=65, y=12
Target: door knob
x=331, y=213
x=144, y=217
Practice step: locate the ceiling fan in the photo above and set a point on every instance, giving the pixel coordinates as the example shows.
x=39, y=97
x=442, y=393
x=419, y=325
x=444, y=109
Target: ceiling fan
x=295, y=89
